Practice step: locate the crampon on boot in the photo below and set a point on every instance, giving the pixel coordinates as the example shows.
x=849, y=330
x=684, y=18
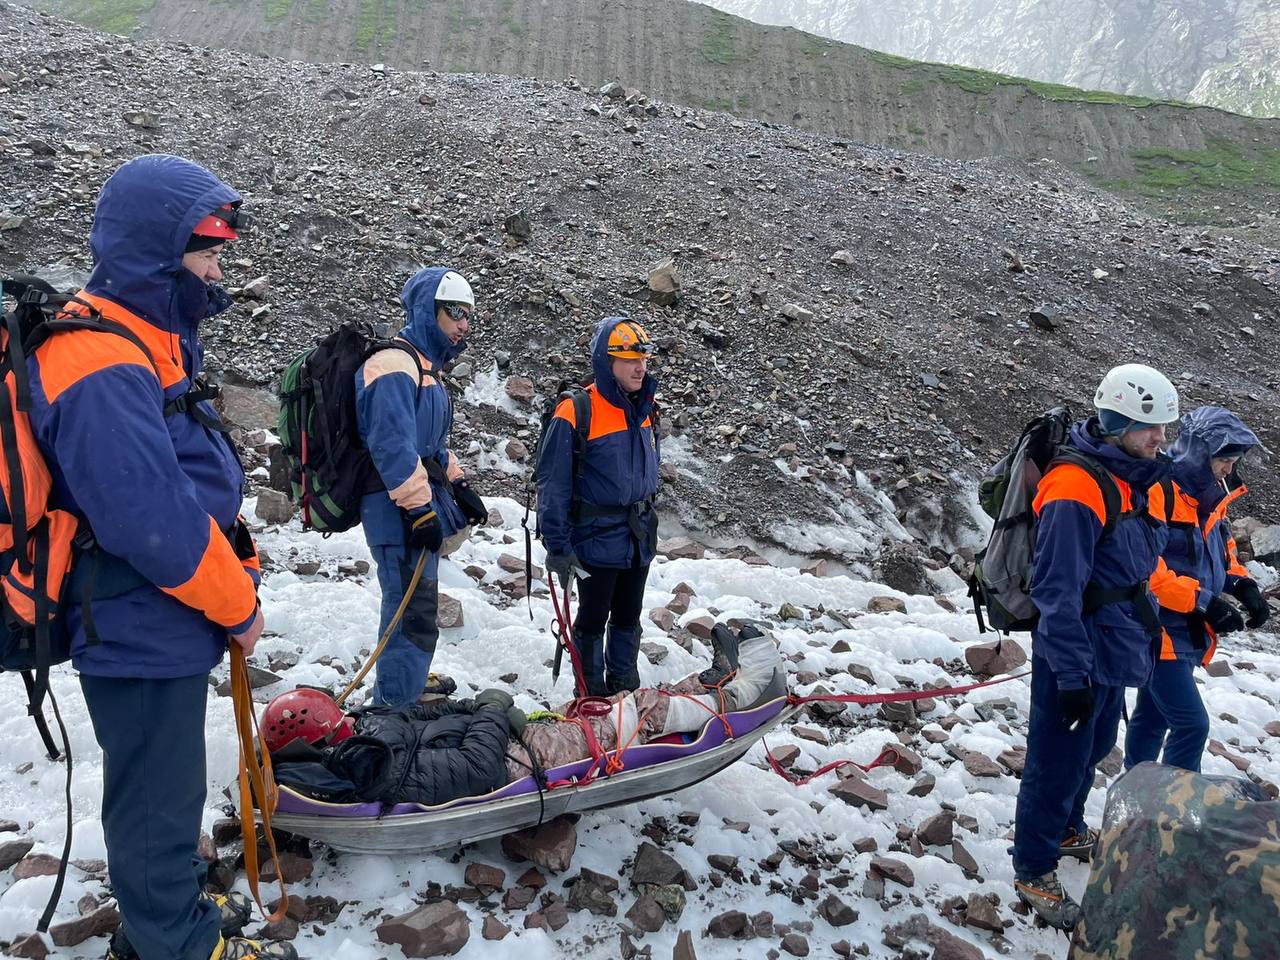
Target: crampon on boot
x=242, y=948
x=1079, y=845
x=234, y=911
x=1045, y=896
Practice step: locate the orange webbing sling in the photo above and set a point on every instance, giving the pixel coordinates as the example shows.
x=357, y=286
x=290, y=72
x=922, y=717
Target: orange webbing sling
x=256, y=780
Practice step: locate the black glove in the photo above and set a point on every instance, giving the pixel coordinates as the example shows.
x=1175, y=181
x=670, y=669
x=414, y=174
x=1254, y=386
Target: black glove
x=1222, y=616
x=563, y=564
x=1247, y=592
x=1076, y=707
x=425, y=532
x=470, y=504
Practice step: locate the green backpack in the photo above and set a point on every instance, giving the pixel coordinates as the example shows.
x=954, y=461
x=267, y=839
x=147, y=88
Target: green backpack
x=330, y=470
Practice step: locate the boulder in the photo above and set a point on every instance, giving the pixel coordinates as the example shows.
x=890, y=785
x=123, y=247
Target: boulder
x=13, y=851
x=101, y=922
x=886, y=605
x=664, y=283
x=893, y=869
x=836, y=912
x=273, y=506
x=992, y=659
x=438, y=929
x=859, y=793
x=550, y=846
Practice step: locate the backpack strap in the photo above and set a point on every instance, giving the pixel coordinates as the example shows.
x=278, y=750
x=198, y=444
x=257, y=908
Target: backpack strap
x=1110, y=491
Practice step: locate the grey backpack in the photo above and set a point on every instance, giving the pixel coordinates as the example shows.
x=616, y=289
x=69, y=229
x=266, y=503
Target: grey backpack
x=1001, y=581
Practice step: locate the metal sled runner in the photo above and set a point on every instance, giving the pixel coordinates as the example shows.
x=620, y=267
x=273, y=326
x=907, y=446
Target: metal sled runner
x=652, y=769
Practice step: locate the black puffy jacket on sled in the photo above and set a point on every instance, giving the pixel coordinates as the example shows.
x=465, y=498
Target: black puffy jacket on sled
x=428, y=754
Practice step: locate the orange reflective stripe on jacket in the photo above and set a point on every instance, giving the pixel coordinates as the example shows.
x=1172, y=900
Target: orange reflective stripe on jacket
x=207, y=590
x=1067, y=481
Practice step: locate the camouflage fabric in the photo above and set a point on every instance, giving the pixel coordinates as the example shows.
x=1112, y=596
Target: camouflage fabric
x=1188, y=869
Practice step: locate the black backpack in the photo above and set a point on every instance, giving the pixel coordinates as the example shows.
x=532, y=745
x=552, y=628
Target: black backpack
x=329, y=468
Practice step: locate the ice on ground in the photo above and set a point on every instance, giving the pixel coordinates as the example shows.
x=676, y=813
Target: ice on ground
x=328, y=621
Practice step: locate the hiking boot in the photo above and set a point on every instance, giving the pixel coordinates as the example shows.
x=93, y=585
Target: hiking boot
x=440, y=685
x=242, y=948
x=1079, y=845
x=234, y=910
x=724, y=657
x=1049, y=901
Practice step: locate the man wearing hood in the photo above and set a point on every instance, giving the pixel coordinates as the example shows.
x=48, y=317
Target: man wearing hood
x=1097, y=621
x=597, y=516
x=1198, y=570
x=139, y=456
x=404, y=415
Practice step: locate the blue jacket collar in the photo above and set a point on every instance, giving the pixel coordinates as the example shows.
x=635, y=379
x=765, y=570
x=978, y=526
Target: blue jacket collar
x=422, y=330
x=1138, y=474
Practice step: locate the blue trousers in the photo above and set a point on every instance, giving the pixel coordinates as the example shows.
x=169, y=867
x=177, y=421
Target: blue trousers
x=1059, y=771
x=153, y=793
x=1170, y=704
x=403, y=667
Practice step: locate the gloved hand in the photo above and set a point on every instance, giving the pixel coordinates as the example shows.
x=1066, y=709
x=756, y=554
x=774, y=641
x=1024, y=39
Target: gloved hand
x=1222, y=616
x=1247, y=592
x=563, y=564
x=1076, y=707
x=425, y=531
x=470, y=504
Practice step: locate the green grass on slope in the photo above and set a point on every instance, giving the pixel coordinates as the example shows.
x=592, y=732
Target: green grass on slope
x=720, y=40
x=113, y=16
x=1223, y=164
x=982, y=82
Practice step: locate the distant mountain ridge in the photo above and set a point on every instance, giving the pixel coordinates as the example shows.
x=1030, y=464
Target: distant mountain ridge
x=1222, y=53
x=1195, y=164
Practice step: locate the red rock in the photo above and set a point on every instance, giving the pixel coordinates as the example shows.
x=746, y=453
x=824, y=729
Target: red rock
x=483, y=877
x=31, y=946
x=13, y=851
x=907, y=761
x=36, y=865
x=437, y=929
x=100, y=923
x=858, y=793
x=551, y=846
x=893, y=869
x=294, y=868
x=494, y=929
x=684, y=947
x=994, y=658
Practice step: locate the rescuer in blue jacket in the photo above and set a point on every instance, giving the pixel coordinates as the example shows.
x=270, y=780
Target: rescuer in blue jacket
x=139, y=456
x=1097, y=625
x=1198, y=571
x=404, y=414
x=596, y=510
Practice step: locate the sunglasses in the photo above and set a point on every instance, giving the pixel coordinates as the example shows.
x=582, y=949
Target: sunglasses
x=456, y=311
x=648, y=349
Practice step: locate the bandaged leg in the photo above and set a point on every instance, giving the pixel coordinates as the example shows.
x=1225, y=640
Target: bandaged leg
x=759, y=669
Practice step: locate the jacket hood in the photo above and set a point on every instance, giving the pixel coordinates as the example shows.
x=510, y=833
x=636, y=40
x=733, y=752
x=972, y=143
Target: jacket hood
x=1203, y=432
x=422, y=330
x=607, y=384
x=1139, y=474
x=144, y=218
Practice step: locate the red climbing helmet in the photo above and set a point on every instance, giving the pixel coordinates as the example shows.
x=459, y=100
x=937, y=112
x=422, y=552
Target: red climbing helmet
x=310, y=714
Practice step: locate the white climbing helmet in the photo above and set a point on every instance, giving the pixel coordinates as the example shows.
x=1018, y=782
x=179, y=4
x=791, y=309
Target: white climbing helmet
x=455, y=289
x=1141, y=393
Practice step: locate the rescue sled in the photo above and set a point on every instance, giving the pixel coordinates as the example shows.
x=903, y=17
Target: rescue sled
x=652, y=769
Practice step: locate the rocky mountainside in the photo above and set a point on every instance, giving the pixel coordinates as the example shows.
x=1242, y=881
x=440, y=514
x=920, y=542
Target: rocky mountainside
x=850, y=334
x=1217, y=52
x=1195, y=165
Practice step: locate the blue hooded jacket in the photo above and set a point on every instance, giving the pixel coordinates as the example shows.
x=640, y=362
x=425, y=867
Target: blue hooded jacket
x=402, y=422
x=158, y=492
x=620, y=469
x=1109, y=646
x=1199, y=561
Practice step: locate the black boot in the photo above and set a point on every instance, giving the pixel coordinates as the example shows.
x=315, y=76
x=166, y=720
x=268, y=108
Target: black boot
x=590, y=654
x=724, y=656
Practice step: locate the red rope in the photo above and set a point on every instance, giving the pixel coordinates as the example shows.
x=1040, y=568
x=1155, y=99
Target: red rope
x=888, y=755
x=565, y=637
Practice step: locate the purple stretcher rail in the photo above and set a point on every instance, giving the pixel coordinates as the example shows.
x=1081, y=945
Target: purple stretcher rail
x=637, y=757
